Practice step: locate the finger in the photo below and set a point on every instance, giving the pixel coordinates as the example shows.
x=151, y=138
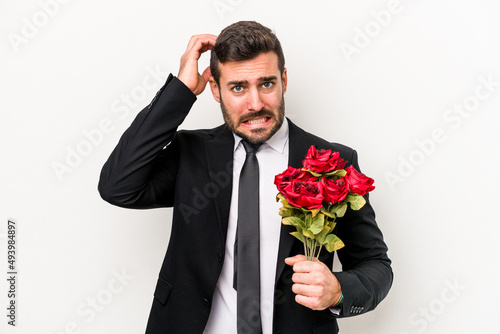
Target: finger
x=311, y=302
x=205, y=47
x=308, y=290
x=307, y=266
x=201, y=37
x=314, y=279
x=201, y=43
x=304, y=278
x=206, y=74
x=293, y=260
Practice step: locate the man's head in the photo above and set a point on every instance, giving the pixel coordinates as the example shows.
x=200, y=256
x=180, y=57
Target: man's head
x=249, y=79
x=244, y=40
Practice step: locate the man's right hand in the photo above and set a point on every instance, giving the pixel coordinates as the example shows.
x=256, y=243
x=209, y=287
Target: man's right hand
x=188, y=71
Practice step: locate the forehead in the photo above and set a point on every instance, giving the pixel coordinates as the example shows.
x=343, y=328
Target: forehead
x=264, y=65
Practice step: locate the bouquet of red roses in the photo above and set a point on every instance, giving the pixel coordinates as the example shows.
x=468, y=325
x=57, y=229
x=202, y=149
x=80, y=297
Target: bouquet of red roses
x=315, y=195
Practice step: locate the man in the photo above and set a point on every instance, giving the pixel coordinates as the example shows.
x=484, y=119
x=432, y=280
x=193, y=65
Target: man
x=198, y=174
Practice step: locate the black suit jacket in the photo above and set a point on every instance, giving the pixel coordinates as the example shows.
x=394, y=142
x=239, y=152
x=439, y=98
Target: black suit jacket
x=154, y=165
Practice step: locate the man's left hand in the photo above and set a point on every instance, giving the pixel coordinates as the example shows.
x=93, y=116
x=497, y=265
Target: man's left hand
x=315, y=285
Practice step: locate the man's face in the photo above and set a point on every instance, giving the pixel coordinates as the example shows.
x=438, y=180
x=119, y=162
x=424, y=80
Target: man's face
x=250, y=93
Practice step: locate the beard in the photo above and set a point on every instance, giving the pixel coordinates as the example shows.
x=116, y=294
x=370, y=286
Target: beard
x=258, y=136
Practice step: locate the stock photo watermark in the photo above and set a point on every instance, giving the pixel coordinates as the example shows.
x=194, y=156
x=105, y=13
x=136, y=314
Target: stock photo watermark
x=430, y=312
x=364, y=36
x=12, y=272
x=121, y=108
x=453, y=118
x=88, y=309
x=223, y=6
x=32, y=24
x=201, y=198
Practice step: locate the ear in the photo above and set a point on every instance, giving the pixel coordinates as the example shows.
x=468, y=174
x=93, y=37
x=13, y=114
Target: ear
x=284, y=80
x=215, y=89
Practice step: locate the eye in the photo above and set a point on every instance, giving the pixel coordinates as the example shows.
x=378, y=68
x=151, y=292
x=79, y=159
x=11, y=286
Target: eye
x=267, y=84
x=237, y=89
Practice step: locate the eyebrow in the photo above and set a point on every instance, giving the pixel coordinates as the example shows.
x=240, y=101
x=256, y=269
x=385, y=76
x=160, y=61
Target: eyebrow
x=244, y=82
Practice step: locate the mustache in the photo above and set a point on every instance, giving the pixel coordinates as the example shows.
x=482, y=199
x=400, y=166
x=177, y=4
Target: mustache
x=260, y=113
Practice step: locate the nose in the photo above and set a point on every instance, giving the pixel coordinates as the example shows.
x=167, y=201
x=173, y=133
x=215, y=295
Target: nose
x=254, y=101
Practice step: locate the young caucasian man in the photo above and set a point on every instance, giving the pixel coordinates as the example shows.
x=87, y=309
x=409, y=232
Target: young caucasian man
x=199, y=173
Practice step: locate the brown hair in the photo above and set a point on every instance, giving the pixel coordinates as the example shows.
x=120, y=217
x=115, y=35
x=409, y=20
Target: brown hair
x=244, y=40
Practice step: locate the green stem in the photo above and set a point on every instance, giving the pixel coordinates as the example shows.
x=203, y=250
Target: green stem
x=319, y=251
x=304, y=240
x=309, y=245
x=311, y=251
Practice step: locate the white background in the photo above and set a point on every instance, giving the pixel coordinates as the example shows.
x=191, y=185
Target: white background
x=380, y=83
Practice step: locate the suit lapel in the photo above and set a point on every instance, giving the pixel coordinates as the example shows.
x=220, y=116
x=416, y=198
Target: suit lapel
x=219, y=154
x=300, y=142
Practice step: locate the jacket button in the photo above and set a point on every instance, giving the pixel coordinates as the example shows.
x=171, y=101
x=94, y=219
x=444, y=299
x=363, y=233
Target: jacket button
x=219, y=257
x=205, y=302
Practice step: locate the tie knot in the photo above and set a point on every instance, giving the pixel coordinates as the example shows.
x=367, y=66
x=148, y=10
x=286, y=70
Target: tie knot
x=249, y=147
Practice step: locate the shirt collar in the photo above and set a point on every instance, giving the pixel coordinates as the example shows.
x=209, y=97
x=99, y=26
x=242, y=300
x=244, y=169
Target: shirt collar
x=276, y=142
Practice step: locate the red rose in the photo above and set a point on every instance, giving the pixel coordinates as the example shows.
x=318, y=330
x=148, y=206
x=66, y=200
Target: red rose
x=307, y=194
x=323, y=161
x=283, y=179
x=358, y=182
x=334, y=191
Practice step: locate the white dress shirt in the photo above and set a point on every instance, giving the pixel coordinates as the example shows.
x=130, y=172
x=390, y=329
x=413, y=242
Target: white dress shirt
x=273, y=159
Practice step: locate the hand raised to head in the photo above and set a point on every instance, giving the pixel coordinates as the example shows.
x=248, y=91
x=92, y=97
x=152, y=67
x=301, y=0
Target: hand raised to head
x=188, y=71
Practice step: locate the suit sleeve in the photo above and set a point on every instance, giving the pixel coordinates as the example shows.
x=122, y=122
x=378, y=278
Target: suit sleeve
x=366, y=275
x=140, y=172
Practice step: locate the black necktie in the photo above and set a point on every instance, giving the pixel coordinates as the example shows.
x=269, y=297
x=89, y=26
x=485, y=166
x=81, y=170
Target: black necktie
x=246, y=256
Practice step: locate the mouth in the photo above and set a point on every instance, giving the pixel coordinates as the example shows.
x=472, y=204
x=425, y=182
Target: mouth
x=257, y=122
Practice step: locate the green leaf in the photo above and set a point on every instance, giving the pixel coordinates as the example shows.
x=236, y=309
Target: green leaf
x=318, y=223
x=309, y=220
x=336, y=174
x=294, y=221
x=286, y=212
x=326, y=212
x=321, y=236
x=297, y=235
x=312, y=173
x=308, y=234
x=287, y=205
x=332, y=226
x=338, y=209
x=305, y=211
x=314, y=212
x=356, y=201
x=333, y=243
